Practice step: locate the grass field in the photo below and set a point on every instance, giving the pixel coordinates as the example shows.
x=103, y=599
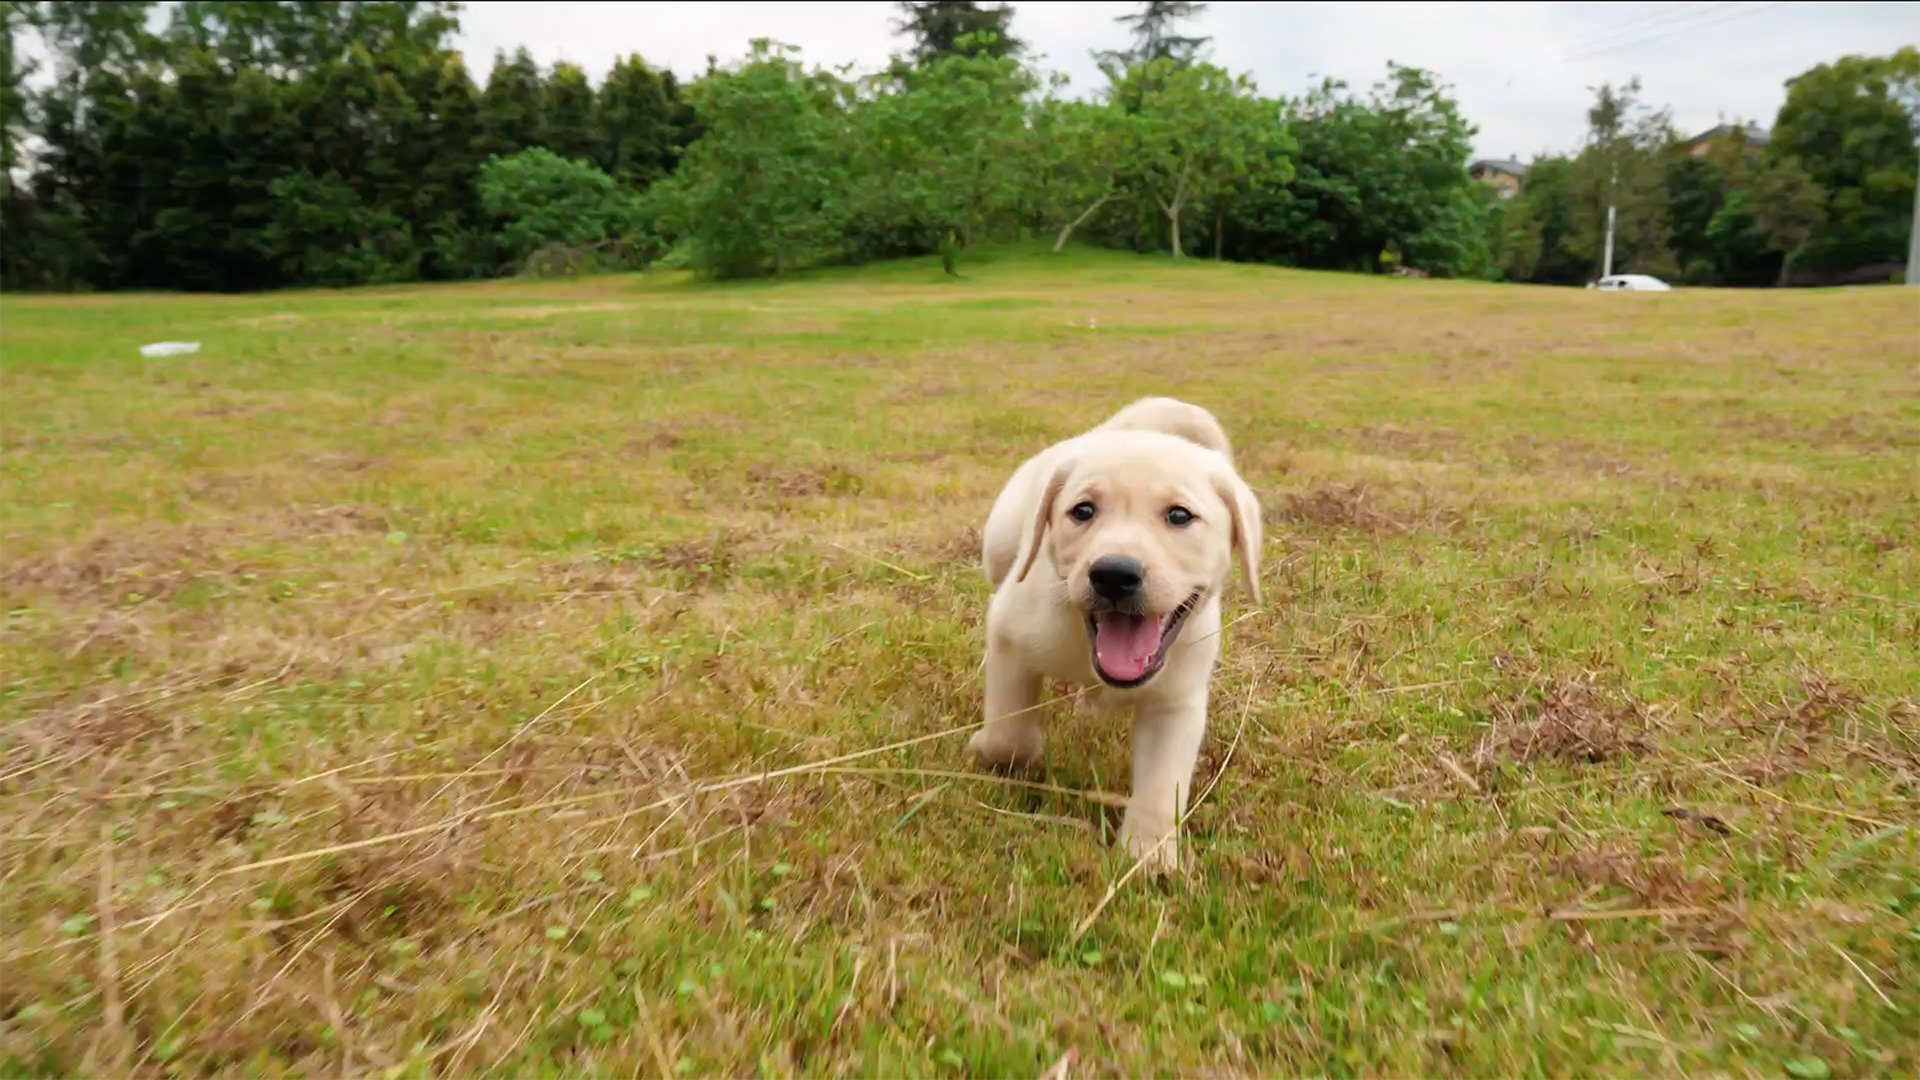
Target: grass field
x=541, y=679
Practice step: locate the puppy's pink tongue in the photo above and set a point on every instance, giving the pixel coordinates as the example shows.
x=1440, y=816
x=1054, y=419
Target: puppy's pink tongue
x=1125, y=644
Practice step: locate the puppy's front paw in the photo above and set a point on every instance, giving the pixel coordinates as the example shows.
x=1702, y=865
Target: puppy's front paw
x=1152, y=842
x=1008, y=746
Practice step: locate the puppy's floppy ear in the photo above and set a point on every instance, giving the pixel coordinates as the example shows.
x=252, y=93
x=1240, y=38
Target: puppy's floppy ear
x=1043, y=513
x=1245, y=511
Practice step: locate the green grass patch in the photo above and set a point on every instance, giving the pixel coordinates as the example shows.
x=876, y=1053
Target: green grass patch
x=425, y=679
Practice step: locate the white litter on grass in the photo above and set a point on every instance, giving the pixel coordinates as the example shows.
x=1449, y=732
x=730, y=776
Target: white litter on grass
x=170, y=348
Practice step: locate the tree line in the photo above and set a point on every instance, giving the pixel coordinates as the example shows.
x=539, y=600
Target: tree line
x=1826, y=195
x=257, y=145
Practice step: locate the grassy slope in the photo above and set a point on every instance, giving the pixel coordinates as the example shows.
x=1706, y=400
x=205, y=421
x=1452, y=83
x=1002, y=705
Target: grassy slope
x=375, y=565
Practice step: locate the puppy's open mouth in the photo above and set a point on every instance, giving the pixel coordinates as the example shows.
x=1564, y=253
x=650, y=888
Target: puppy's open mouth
x=1128, y=649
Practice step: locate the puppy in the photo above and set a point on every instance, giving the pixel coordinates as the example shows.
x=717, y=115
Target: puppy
x=1108, y=554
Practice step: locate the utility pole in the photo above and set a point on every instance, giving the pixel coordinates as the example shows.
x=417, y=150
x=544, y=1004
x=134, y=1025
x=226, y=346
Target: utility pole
x=1913, y=237
x=1613, y=180
x=1606, y=263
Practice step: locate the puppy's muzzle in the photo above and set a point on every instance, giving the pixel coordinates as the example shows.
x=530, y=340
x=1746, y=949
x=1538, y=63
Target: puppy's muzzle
x=1118, y=580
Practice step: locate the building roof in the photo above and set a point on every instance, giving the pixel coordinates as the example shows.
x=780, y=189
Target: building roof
x=1512, y=168
x=1755, y=134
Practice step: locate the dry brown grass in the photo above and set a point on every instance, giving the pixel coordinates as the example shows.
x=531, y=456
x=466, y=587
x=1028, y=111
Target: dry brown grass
x=1342, y=506
x=1570, y=720
x=571, y=678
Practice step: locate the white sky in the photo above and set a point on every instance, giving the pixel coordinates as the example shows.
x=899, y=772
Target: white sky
x=1522, y=70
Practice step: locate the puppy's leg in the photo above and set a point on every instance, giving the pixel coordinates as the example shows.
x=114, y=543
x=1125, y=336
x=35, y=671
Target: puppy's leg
x=1166, y=744
x=1011, y=738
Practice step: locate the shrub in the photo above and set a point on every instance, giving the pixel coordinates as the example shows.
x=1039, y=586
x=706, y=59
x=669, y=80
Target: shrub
x=547, y=204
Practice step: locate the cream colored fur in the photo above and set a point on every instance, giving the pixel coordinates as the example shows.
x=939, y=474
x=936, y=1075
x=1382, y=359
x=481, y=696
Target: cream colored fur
x=1150, y=456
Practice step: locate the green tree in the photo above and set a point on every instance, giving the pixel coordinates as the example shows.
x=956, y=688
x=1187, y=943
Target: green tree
x=571, y=130
x=1549, y=191
x=544, y=201
x=288, y=39
x=353, y=117
x=1373, y=173
x=18, y=216
x=1696, y=191
x=1521, y=239
x=98, y=50
x=227, y=150
x=944, y=147
x=763, y=191
x=1198, y=133
x=1620, y=166
x=1851, y=124
x=1788, y=207
x=1152, y=30
x=182, y=238
x=1711, y=228
x=323, y=233
x=513, y=108
x=1086, y=158
x=14, y=72
x=636, y=107
x=446, y=138
x=942, y=28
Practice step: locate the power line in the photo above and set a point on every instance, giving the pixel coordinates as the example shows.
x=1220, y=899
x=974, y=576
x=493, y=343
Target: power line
x=1607, y=35
x=1653, y=21
x=1713, y=15
x=1688, y=27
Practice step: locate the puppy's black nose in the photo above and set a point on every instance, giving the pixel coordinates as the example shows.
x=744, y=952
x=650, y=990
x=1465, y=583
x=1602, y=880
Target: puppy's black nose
x=1115, y=577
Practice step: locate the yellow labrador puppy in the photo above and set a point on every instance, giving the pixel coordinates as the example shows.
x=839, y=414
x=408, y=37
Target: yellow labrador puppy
x=1108, y=554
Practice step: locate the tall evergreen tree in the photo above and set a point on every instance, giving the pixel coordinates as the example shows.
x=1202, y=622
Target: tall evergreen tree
x=14, y=70
x=948, y=27
x=513, y=109
x=17, y=208
x=635, y=122
x=97, y=48
x=447, y=209
x=1152, y=28
x=570, y=129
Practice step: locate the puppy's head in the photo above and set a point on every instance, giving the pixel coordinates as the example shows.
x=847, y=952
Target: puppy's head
x=1142, y=528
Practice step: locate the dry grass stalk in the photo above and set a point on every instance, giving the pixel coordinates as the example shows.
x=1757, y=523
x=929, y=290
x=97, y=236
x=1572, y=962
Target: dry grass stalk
x=112, y=1008
x=1573, y=721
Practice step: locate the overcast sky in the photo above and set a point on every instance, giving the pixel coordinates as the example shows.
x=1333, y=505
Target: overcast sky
x=1522, y=70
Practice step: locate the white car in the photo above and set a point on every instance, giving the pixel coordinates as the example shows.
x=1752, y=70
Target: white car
x=1633, y=283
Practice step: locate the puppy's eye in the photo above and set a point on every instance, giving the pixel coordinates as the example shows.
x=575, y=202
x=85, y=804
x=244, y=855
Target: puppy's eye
x=1082, y=512
x=1179, y=517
